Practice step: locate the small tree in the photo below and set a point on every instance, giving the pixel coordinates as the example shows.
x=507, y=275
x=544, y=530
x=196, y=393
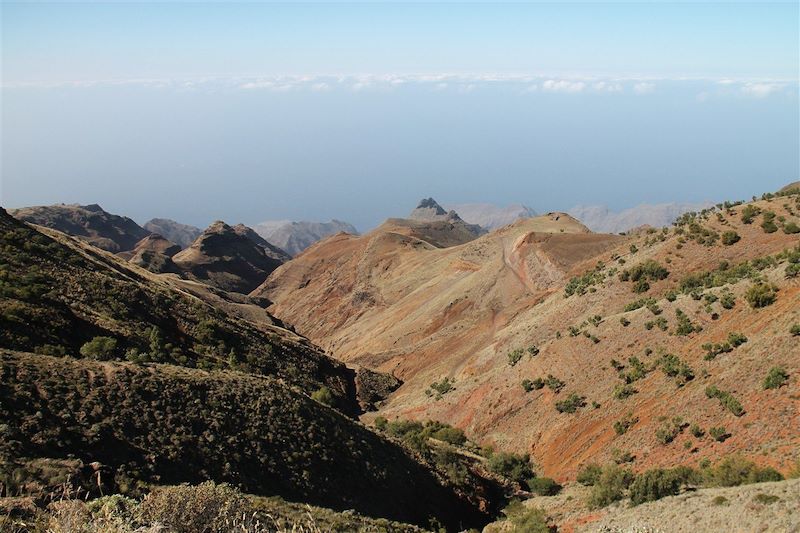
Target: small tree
x=761, y=295
x=776, y=378
x=100, y=348
x=730, y=237
x=323, y=395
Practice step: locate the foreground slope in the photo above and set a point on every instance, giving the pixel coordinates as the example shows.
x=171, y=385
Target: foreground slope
x=544, y=301
x=167, y=424
x=172, y=388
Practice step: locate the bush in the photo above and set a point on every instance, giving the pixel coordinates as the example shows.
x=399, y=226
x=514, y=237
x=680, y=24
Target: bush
x=749, y=213
x=553, y=383
x=589, y=474
x=100, y=348
x=761, y=295
x=525, y=520
x=610, y=486
x=790, y=228
x=669, y=430
x=641, y=286
x=324, y=396
x=624, y=321
x=623, y=425
x=730, y=237
x=571, y=404
x=718, y=433
x=776, y=378
x=653, y=485
x=514, y=356
x=736, y=470
x=511, y=466
x=440, y=388
x=189, y=509
x=726, y=399
x=727, y=301
x=648, y=270
x=622, y=391
x=543, y=486
x=685, y=326
x=795, y=330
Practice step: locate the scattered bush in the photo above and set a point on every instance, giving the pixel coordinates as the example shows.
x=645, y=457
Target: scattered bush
x=589, y=474
x=543, y=486
x=675, y=368
x=749, y=213
x=524, y=519
x=571, y=404
x=610, y=486
x=718, y=433
x=100, y=348
x=765, y=499
x=795, y=330
x=730, y=237
x=204, y=507
x=511, y=466
x=669, y=430
x=553, y=383
x=653, y=485
x=324, y=396
x=624, y=321
x=761, y=295
x=728, y=300
x=776, y=378
x=440, y=388
x=514, y=356
x=735, y=470
x=726, y=399
x=623, y=390
x=685, y=326
x=791, y=228
x=624, y=424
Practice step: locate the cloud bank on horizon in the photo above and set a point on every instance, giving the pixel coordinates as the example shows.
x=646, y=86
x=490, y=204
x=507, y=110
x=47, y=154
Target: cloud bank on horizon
x=249, y=112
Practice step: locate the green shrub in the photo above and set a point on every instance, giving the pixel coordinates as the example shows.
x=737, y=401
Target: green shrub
x=735, y=470
x=571, y=404
x=749, y=213
x=719, y=500
x=514, y=356
x=543, y=486
x=623, y=390
x=697, y=431
x=624, y=424
x=766, y=499
x=380, y=423
x=653, y=485
x=589, y=474
x=641, y=286
x=685, y=326
x=675, y=368
x=669, y=430
x=726, y=399
x=730, y=237
x=553, y=383
x=728, y=300
x=100, y=348
x=624, y=321
x=440, y=388
x=790, y=228
x=525, y=520
x=511, y=466
x=761, y=295
x=324, y=396
x=795, y=330
x=718, y=433
x=648, y=270
x=610, y=486
x=776, y=378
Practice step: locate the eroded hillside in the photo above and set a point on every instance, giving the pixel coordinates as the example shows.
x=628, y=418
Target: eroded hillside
x=535, y=339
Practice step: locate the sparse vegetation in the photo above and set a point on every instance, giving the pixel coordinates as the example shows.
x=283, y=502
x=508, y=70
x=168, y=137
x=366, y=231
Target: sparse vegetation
x=776, y=378
x=100, y=348
x=730, y=238
x=570, y=404
x=726, y=399
x=761, y=295
x=624, y=424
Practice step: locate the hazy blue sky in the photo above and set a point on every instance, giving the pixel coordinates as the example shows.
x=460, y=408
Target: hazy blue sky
x=248, y=112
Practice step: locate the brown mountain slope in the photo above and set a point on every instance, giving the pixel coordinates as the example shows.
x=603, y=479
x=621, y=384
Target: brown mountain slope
x=181, y=234
x=91, y=223
x=227, y=258
x=466, y=313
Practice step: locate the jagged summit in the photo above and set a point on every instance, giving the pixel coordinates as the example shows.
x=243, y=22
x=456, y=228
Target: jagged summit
x=429, y=209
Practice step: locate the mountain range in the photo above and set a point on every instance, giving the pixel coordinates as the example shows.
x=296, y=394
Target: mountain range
x=496, y=369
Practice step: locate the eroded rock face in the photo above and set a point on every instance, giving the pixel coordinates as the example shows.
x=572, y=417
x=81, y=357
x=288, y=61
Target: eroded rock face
x=374, y=387
x=227, y=258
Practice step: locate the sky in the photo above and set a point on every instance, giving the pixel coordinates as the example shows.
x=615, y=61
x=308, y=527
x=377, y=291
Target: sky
x=256, y=111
